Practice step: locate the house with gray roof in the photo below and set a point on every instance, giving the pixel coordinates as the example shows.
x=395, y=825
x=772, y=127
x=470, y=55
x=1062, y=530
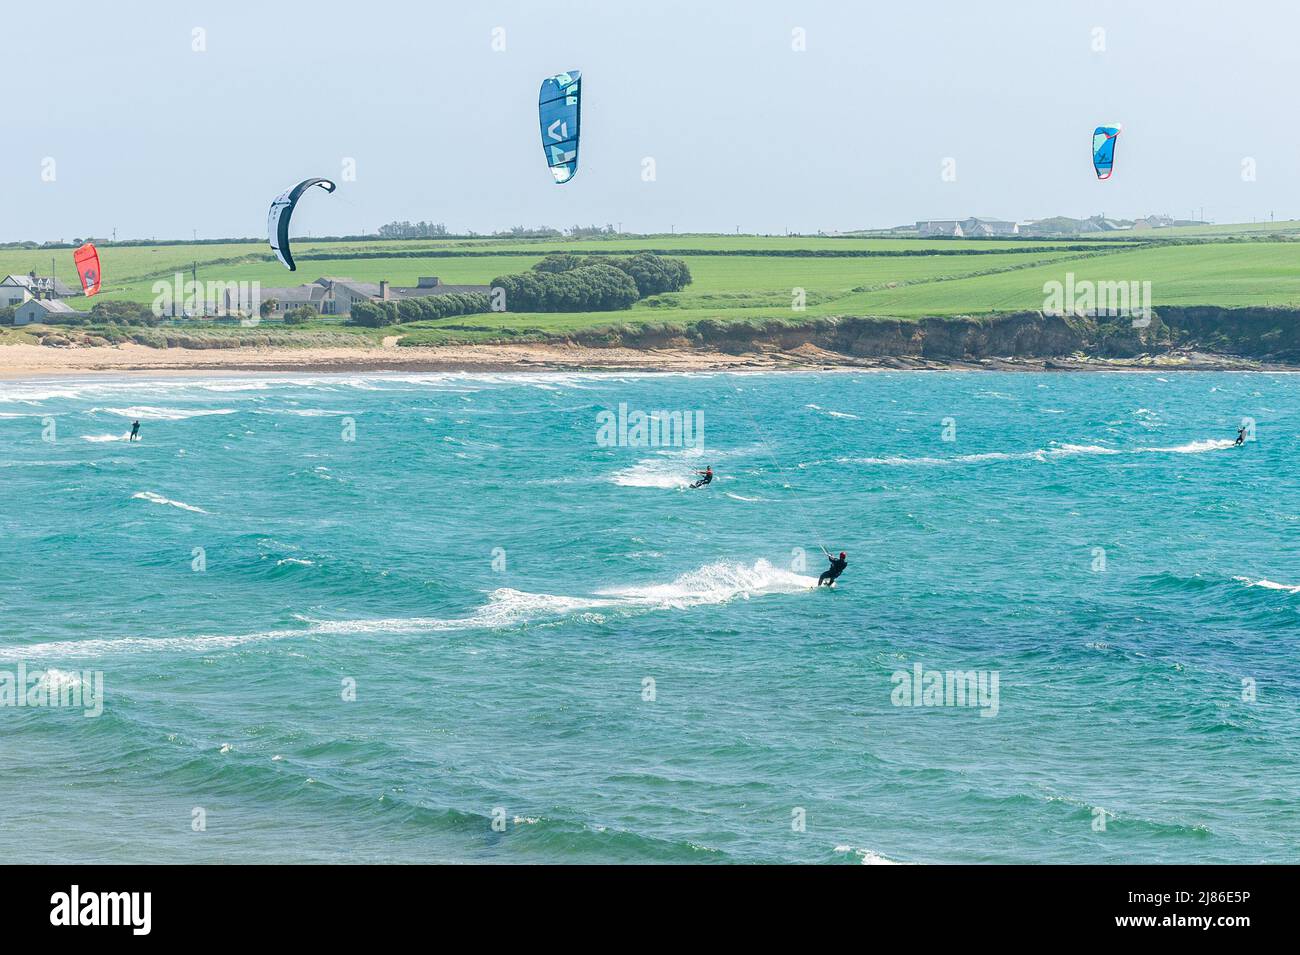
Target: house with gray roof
x=331, y=295
x=944, y=227
x=16, y=289
x=43, y=311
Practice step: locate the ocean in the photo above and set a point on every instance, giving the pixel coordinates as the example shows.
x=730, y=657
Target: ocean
x=478, y=618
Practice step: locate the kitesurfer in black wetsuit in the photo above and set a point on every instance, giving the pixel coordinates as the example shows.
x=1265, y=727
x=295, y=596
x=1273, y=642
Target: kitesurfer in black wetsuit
x=708, y=477
x=135, y=432
x=1241, y=436
x=837, y=567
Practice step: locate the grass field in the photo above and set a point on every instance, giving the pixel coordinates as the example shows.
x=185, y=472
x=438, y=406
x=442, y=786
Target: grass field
x=750, y=277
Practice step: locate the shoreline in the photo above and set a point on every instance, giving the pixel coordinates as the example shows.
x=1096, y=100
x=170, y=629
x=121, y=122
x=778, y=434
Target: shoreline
x=29, y=361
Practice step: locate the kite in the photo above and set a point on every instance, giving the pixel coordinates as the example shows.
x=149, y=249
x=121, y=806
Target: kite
x=559, y=108
x=277, y=225
x=87, y=262
x=1103, y=149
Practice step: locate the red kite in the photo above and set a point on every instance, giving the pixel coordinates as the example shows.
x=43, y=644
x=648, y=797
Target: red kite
x=87, y=260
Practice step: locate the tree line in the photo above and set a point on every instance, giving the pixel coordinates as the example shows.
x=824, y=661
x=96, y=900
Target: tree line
x=423, y=308
x=564, y=282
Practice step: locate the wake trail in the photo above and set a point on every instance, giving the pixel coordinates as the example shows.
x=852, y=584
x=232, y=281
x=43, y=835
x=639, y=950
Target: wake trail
x=711, y=584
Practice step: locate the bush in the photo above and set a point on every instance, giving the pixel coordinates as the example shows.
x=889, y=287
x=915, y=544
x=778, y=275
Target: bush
x=424, y=308
x=122, y=313
x=301, y=315
x=589, y=288
x=653, y=274
x=374, y=314
x=559, y=262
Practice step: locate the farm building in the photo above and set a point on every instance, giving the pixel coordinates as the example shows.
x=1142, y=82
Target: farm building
x=43, y=311
x=966, y=227
x=335, y=296
x=16, y=289
x=948, y=227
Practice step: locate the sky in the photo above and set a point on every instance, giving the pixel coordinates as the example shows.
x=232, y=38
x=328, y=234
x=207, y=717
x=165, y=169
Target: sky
x=174, y=119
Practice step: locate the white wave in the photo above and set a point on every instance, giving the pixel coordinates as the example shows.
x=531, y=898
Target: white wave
x=668, y=469
x=866, y=856
x=29, y=395
x=1268, y=585
x=833, y=414
x=505, y=607
x=737, y=497
x=224, y=386
x=1044, y=454
x=124, y=436
x=304, y=412
x=715, y=583
x=104, y=647
x=959, y=459
x=147, y=412
x=159, y=499
x=1068, y=449
x=54, y=681
x=1195, y=447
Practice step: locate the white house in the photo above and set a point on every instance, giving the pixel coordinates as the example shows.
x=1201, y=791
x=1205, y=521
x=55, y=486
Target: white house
x=335, y=296
x=43, y=311
x=16, y=289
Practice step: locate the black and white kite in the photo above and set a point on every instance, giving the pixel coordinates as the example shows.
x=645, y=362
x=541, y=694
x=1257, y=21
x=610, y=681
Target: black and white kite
x=277, y=223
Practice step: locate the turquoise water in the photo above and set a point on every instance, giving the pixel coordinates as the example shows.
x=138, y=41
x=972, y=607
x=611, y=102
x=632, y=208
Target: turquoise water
x=500, y=588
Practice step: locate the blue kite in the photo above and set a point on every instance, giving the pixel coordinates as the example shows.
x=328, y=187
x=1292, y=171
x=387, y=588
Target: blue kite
x=559, y=108
x=1103, y=149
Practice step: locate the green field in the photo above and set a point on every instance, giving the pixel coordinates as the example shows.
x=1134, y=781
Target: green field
x=740, y=278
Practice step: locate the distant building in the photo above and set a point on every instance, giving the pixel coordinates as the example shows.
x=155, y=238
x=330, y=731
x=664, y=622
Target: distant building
x=43, y=311
x=973, y=226
x=431, y=285
x=336, y=296
x=944, y=227
x=16, y=289
x=986, y=227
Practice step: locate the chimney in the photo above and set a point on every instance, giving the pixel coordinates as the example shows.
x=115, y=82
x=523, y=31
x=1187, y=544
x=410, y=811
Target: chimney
x=383, y=291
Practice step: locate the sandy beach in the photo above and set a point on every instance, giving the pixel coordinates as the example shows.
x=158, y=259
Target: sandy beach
x=23, y=361
x=28, y=361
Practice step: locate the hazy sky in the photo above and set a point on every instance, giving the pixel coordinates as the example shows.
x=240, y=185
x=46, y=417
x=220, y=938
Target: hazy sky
x=154, y=139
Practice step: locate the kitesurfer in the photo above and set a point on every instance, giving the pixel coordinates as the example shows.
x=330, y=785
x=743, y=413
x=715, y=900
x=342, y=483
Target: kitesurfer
x=1241, y=436
x=135, y=431
x=837, y=567
x=707, y=479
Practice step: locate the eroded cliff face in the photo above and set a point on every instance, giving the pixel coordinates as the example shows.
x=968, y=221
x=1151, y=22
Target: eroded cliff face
x=1265, y=334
